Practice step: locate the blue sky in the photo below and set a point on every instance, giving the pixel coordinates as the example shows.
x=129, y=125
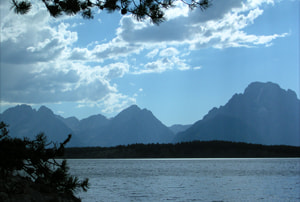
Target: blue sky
x=179, y=70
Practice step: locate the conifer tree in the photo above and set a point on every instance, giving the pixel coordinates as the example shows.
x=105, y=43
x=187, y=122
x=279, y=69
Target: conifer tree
x=36, y=160
x=140, y=9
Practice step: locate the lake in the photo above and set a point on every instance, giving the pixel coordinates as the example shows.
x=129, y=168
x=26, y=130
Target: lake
x=189, y=179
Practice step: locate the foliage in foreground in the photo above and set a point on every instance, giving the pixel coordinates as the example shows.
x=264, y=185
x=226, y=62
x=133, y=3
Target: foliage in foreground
x=142, y=9
x=35, y=160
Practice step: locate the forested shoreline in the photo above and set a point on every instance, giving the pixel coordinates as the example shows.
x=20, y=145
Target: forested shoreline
x=195, y=149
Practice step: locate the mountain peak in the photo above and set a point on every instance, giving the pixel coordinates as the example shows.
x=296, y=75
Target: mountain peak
x=258, y=87
x=45, y=110
x=133, y=108
x=265, y=114
x=22, y=107
x=18, y=112
x=259, y=84
x=268, y=92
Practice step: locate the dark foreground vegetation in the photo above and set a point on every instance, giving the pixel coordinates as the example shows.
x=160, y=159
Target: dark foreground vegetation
x=196, y=149
x=29, y=171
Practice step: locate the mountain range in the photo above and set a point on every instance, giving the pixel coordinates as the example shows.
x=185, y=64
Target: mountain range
x=132, y=125
x=263, y=114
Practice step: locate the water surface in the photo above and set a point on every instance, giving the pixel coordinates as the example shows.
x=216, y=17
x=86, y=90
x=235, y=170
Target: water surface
x=189, y=179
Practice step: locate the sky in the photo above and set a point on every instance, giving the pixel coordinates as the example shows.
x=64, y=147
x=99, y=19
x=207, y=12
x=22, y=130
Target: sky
x=179, y=70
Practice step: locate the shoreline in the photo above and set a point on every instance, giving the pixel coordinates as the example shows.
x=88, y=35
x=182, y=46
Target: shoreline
x=196, y=149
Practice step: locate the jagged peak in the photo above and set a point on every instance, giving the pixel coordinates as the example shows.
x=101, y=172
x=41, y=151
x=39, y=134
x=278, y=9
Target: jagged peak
x=257, y=88
x=131, y=109
x=263, y=84
x=20, y=108
x=43, y=109
x=23, y=106
x=256, y=94
x=258, y=91
x=134, y=112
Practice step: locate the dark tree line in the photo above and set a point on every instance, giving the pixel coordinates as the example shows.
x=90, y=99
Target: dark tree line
x=196, y=149
x=140, y=9
x=34, y=160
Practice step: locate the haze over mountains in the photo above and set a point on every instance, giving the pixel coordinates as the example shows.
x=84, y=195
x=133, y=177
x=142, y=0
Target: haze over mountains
x=132, y=125
x=264, y=114
x=25, y=121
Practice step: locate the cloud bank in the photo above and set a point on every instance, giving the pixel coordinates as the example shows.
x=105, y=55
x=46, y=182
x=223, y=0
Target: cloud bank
x=41, y=60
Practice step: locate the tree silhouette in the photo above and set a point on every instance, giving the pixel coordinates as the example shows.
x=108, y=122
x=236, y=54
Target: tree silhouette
x=140, y=9
x=35, y=160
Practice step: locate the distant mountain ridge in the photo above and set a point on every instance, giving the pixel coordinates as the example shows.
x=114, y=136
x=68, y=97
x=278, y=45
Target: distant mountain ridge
x=264, y=114
x=28, y=122
x=132, y=125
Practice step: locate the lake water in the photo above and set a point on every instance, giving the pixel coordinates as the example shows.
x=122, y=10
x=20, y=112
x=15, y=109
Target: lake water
x=189, y=179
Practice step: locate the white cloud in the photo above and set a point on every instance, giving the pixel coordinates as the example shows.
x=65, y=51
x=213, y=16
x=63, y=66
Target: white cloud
x=114, y=50
x=179, y=9
x=158, y=66
x=255, y=3
x=115, y=70
x=41, y=60
x=180, y=64
x=41, y=63
x=169, y=52
x=163, y=64
x=153, y=53
x=31, y=38
x=198, y=67
x=79, y=54
x=50, y=85
x=115, y=102
x=220, y=26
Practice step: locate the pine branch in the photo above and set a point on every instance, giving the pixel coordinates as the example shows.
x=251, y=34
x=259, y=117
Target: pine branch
x=153, y=9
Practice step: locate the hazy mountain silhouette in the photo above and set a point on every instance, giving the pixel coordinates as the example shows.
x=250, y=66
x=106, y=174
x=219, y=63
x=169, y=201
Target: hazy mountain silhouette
x=130, y=126
x=71, y=122
x=24, y=121
x=264, y=114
